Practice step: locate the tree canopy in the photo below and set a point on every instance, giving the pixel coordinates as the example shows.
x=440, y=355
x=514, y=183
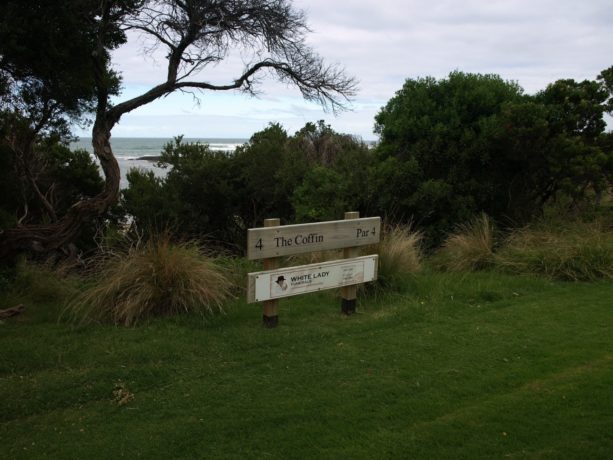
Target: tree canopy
x=217, y=196
x=196, y=35
x=471, y=143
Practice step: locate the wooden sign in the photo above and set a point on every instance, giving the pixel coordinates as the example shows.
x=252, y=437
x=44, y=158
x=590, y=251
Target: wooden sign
x=286, y=282
x=266, y=242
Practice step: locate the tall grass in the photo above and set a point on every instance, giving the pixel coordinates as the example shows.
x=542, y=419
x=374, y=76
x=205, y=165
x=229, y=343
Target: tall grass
x=399, y=256
x=575, y=251
x=152, y=279
x=470, y=247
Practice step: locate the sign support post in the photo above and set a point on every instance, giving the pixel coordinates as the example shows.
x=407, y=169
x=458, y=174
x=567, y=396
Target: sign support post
x=349, y=293
x=270, y=314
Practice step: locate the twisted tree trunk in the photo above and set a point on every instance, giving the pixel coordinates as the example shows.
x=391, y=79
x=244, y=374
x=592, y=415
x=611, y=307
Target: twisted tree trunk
x=44, y=238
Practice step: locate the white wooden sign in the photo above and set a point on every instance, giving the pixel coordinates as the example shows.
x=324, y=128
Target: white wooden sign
x=266, y=242
x=286, y=282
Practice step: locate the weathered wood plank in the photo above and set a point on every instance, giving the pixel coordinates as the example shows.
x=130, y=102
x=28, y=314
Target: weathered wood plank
x=270, y=308
x=286, y=240
x=349, y=293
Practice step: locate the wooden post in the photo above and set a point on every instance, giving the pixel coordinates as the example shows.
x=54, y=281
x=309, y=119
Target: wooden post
x=270, y=316
x=349, y=293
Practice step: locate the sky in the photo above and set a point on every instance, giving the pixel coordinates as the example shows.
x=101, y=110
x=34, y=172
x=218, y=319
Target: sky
x=382, y=43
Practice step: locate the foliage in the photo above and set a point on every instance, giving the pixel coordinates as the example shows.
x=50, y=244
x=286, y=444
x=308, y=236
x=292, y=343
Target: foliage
x=338, y=179
x=201, y=182
x=470, y=247
x=323, y=195
x=474, y=143
x=47, y=85
x=61, y=78
x=47, y=185
x=219, y=195
x=153, y=279
x=267, y=171
x=149, y=203
x=196, y=198
x=399, y=258
x=606, y=79
x=195, y=35
x=576, y=251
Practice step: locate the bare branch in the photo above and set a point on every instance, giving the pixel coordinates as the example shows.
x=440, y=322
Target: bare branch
x=199, y=33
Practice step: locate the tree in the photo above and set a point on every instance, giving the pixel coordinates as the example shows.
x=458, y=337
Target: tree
x=435, y=159
x=311, y=175
x=196, y=34
x=47, y=83
x=606, y=80
x=268, y=170
x=469, y=143
x=337, y=179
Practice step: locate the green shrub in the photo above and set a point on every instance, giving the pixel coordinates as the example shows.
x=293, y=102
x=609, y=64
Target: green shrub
x=40, y=283
x=469, y=248
x=153, y=279
x=196, y=197
x=574, y=252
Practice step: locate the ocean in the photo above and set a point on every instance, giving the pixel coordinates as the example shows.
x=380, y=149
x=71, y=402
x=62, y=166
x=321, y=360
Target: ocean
x=130, y=151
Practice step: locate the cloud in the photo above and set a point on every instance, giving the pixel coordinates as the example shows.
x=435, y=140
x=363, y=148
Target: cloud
x=385, y=42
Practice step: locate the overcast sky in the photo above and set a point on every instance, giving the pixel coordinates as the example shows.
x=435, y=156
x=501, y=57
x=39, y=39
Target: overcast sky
x=382, y=43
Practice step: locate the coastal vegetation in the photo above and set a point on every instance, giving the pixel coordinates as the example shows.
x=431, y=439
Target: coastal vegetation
x=75, y=81
x=450, y=151
x=152, y=278
x=125, y=330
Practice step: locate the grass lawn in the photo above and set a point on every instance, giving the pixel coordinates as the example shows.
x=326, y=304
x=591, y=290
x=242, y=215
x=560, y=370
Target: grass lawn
x=461, y=366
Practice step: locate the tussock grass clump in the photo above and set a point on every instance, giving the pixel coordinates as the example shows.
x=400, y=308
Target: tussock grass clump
x=154, y=279
x=470, y=247
x=574, y=252
x=399, y=256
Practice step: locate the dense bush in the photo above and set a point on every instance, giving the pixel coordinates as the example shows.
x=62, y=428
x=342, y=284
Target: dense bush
x=450, y=149
x=60, y=175
x=339, y=179
x=217, y=196
x=267, y=172
x=473, y=143
x=196, y=196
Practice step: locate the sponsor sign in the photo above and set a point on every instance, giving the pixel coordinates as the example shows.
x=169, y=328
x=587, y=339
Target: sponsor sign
x=286, y=282
x=285, y=240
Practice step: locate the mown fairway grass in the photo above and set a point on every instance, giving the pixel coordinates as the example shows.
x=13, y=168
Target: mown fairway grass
x=461, y=366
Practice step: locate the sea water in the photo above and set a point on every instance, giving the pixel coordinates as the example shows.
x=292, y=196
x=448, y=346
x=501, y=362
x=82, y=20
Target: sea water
x=132, y=152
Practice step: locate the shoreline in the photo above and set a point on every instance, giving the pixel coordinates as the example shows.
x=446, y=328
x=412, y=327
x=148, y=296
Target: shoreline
x=150, y=158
